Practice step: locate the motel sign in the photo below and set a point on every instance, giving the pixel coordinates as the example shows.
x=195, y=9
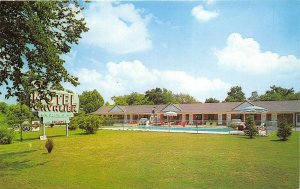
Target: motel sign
x=60, y=107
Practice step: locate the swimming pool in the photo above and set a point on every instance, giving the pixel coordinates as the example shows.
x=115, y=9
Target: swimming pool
x=215, y=130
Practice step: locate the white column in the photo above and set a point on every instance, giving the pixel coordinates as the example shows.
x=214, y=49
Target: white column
x=190, y=117
x=125, y=118
x=130, y=119
x=263, y=117
x=274, y=119
x=228, y=119
x=44, y=137
x=219, y=119
x=44, y=131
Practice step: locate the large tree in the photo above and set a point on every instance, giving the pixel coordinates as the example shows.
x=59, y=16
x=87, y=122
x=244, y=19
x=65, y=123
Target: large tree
x=279, y=93
x=132, y=99
x=182, y=98
x=235, y=95
x=33, y=37
x=136, y=99
x=211, y=100
x=155, y=96
x=160, y=96
x=90, y=101
x=120, y=100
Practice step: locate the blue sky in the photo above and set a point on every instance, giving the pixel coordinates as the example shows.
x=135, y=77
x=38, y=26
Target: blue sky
x=201, y=48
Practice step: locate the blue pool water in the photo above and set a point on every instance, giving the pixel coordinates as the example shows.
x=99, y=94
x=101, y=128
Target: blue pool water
x=183, y=129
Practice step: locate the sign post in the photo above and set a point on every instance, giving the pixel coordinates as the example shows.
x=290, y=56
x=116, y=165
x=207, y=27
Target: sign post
x=67, y=129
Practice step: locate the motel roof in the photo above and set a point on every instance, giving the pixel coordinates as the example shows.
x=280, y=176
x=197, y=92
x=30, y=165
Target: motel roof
x=271, y=106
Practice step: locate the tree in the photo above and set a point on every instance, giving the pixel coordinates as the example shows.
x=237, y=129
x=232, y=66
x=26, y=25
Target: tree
x=3, y=107
x=279, y=93
x=250, y=129
x=211, y=100
x=155, y=96
x=182, y=98
x=33, y=37
x=284, y=130
x=160, y=96
x=254, y=96
x=120, y=100
x=136, y=99
x=91, y=101
x=132, y=99
x=235, y=95
x=168, y=97
x=17, y=114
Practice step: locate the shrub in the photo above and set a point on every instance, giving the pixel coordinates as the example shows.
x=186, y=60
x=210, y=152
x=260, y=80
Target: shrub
x=73, y=125
x=284, y=130
x=250, y=129
x=6, y=135
x=233, y=125
x=49, y=145
x=3, y=107
x=89, y=123
x=107, y=121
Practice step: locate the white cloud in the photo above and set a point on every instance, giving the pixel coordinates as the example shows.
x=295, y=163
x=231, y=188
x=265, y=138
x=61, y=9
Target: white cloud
x=203, y=15
x=244, y=55
x=118, y=28
x=210, y=2
x=126, y=77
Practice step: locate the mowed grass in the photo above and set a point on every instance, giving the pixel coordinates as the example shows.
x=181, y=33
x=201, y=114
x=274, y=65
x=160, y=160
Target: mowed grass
x=137, y=159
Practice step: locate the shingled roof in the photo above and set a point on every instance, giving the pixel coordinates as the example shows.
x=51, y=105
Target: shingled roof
x=271, y=106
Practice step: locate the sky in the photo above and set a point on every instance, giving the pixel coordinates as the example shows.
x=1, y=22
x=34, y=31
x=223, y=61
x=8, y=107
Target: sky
x=201, y=48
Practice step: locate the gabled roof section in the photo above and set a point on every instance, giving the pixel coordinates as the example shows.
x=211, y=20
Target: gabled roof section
x=242, y=105
x=172, y=108
x=117, y=109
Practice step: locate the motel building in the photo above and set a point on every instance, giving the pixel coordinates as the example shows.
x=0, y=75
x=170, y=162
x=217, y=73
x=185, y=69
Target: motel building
x=214, y=114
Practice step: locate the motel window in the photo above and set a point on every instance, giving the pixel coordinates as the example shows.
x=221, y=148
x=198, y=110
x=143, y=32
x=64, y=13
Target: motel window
x=237, y=116
x=298, y=118
x=211, y=116
x=187, y=117
x=269, y=117
x=198, y=116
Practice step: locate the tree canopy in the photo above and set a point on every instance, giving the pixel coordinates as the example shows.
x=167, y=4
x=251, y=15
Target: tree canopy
x=279, y=93
x=211, y=100
x=33, y=37
x=16, y=113
x=91, y=101
x=235, y=95
x=133, y=98
x=154, y=96
x=182, y=98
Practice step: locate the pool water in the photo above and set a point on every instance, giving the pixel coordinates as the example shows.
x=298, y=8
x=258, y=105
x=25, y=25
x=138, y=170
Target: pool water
x=184, y=129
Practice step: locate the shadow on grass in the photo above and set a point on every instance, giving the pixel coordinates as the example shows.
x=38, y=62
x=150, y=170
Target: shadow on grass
x=278, y=140
x=81, y=134
x=56, y=136
x=38, y=138
x=7, y=162
x=247, y=137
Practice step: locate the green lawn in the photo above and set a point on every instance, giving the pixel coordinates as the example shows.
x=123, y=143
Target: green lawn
x=136, y=159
